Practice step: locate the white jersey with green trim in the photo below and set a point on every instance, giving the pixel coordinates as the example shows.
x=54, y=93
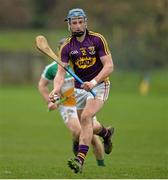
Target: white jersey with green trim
x=51, y=70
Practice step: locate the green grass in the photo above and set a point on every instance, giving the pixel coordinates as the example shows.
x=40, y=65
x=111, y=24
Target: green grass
x=24, y=40
x=123, y=81
x=36, y=144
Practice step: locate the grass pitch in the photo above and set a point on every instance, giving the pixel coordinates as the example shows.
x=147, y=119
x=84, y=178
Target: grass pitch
x=35, y=143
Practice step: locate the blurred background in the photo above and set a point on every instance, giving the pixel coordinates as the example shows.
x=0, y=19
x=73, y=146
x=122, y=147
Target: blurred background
x=137, y=33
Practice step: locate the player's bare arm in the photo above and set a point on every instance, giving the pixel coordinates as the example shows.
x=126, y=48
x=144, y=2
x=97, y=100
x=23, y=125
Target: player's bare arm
x=107, y=68
x=44, y=91
x=58, y=83
x=104, y=73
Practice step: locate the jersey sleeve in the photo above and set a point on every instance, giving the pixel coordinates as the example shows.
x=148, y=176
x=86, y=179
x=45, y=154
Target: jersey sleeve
x=50, y=71
x=102, y=46
x=64, y=53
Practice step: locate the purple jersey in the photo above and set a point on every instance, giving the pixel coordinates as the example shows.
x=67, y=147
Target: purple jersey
x=84, y=57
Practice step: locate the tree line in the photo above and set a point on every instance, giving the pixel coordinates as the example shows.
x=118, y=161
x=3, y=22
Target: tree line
x=137, y=31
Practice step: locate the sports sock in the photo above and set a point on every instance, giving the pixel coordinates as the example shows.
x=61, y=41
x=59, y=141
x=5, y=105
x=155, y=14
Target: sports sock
x=100, y=162
x=82, y=151
x=75, y=145
x=104, y=132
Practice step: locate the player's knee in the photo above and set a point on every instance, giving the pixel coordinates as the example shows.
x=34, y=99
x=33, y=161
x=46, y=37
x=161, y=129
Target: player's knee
x=76, y=132
x=86, y=118
x=95, y=140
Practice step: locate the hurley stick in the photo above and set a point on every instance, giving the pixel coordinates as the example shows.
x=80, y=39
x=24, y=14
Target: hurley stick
x=43, y=46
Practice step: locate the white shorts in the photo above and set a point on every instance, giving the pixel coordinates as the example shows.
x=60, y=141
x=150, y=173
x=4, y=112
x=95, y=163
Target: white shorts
x=101, y=90
x=68, y=108
x=68, y=112
x=68, y=84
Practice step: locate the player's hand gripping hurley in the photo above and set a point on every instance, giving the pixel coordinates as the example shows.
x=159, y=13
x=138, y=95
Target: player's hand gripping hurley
x=43, y=46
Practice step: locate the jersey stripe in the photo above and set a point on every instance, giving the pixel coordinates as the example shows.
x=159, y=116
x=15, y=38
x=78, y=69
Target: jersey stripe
x=107, y=89
x=106, y=48
x=64, y=44
x=107, y=51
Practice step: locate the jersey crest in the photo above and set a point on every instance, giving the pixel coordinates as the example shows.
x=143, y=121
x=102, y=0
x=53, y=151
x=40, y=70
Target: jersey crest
x=85, y=62
x=91, y=50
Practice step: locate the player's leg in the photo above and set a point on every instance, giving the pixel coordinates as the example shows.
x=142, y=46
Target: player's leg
x=69, y=112
x=86, y=101
x=98, y=150
x=73, y=163
x=74, y=126
x=105, y=133
x=86, y=133
x=102, y=91
x=70, y=118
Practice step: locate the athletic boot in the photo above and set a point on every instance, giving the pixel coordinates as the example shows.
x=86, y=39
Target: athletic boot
x=108, y=140
x=75, y=146
x=74, y=164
